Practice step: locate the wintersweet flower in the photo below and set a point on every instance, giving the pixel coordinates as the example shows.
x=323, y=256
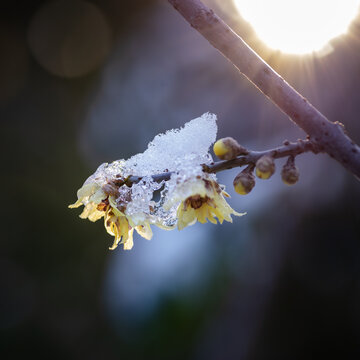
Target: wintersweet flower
x=99, y=203
x=91, y=196
x=201, y=199
x=164, y=186
x=118, y=226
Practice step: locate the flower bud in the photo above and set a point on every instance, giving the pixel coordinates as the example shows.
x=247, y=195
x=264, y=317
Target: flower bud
x=290, y=172
x=244, y=182
x=228, y=149
x=265, y=167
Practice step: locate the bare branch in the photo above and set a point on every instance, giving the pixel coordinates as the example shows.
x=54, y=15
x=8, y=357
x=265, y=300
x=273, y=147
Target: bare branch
x=330, y=137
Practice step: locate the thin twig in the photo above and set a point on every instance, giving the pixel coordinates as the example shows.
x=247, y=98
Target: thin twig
x=330, y=137
x=288, y=149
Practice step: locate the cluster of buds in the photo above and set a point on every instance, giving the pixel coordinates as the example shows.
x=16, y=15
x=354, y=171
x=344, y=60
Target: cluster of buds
x=190, y=194
x=263, y=165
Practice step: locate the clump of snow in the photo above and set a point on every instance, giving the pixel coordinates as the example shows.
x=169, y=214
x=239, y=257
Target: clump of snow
x=180, y=151
x=177, y=148
x=141, y=207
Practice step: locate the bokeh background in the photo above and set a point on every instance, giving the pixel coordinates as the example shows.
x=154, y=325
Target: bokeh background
x=83, y=83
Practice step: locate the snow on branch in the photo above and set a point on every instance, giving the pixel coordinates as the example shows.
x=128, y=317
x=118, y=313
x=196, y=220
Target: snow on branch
x=172, y=184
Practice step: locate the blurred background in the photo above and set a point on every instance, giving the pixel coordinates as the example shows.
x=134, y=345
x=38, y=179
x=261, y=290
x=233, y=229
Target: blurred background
x=86, y=82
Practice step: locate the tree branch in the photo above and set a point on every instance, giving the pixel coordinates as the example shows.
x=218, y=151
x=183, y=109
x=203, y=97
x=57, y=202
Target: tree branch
x=288, y=149
x=330, y=137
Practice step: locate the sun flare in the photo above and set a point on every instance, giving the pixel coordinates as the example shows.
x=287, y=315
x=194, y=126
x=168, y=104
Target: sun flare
x=298, y=26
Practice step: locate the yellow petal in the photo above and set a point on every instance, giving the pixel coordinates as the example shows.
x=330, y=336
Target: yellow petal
x=218, y=214
x=165, y=227
x=225, y=194
x=116, y=211
x=114, y=245
x=87, y=190
x=210, y=216
x=123, y=225
x=201, y=214
x=96, y=215
x=129, y=243
x=186, y=217
x=144, y=231
x=98, y=196
x=76, y=205
x=108, y=224
x=87, y=210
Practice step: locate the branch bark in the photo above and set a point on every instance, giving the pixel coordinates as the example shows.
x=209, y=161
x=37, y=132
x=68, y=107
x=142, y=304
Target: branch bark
x=330, y=137
x=287, y=149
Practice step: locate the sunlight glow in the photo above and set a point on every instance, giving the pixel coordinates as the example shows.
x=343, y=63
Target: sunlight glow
x=298, y=26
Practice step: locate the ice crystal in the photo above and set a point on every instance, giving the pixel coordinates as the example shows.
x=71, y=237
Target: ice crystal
x=180, y=151
x=176, y=149
x=106, y=172
x=186, y=196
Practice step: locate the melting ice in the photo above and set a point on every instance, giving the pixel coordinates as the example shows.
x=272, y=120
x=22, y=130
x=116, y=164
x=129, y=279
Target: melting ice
x=180, y=151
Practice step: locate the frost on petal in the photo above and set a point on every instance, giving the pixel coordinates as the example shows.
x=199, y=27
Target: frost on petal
x=126, y=206
x=183, y=185
x=141, y=205
x=199, y=199
x=179, y=150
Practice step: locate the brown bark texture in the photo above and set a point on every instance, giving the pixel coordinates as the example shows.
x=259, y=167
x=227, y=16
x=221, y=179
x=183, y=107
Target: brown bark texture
x=329, y=137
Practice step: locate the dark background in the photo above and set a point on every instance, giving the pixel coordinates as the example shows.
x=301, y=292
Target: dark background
x=83, y=84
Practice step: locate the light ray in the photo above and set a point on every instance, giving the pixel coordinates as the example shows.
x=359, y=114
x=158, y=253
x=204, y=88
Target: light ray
x=298, y=26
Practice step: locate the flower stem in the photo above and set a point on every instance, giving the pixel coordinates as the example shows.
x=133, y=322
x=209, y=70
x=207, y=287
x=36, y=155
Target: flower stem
x=287, y=149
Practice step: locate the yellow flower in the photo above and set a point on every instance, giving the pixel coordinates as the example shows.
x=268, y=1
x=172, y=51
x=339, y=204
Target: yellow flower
x=98, y=203
x=91, y=196
x=201, y=200
x=117, y=224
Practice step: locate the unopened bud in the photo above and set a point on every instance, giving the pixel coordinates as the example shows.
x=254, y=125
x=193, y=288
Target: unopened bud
x=265, y=167
x=290, y=172
x=244, y=182
x=228, y=149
